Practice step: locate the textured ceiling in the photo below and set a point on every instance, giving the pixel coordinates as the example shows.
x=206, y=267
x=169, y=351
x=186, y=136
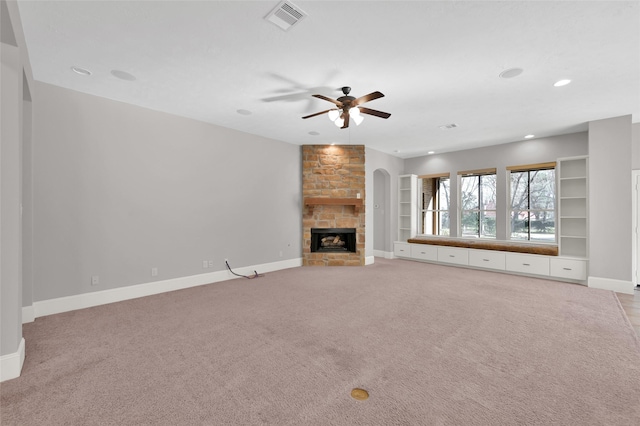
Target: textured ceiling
x=437, y=62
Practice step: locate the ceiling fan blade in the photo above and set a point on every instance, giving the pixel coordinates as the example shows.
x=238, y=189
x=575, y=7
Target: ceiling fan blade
x=346, y=119
x=338, y=103
x=320, y=113
x=367, y=98
x=369, y=111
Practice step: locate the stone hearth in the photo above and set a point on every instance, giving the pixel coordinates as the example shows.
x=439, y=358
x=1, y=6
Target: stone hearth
x=333, y=189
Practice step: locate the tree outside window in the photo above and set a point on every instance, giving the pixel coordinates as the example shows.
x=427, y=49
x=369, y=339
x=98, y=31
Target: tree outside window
x=533, y=203
x=478, y=205
x=435, y=197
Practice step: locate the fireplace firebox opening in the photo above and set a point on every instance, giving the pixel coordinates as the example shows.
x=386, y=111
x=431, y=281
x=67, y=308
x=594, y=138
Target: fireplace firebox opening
x=333, y=240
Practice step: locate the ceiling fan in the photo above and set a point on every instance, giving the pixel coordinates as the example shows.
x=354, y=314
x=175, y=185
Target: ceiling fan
x=349, y=107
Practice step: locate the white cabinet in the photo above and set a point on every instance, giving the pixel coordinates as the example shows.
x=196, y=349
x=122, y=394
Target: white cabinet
x=562, y=268
x=573, y=269
x=487, y=259
x=457, y=256
x=401, y=249
x=527, y=264
x=407, y=207
x=424, y=252
x=573, y=206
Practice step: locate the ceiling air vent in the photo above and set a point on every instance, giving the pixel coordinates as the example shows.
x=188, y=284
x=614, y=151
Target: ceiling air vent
x=285, y=15
x=448, y=126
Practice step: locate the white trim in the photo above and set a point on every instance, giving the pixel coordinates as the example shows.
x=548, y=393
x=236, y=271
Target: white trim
x=384, y=254
x=369, y=260
x=619, y=286
x=635, y=193
x=87, y=300
x=11, y=364
x=28, y=314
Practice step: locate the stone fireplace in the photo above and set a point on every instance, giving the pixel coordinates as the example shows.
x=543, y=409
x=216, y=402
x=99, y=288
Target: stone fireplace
x=333, y=188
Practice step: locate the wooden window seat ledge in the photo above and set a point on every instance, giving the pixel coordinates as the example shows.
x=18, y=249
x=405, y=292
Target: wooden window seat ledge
x=510, y=246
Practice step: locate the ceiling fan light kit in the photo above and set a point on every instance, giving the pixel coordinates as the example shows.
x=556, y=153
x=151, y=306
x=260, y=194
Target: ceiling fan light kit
x=350, y=107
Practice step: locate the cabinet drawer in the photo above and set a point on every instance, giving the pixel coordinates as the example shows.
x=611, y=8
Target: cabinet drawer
x=402, y=249
x=573, y=269
x=527, y=264
x=424, y=252
x=487, y=259
x=457, y=256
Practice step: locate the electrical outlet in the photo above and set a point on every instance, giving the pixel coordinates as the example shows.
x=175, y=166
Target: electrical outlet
x=95, y=280
x=205, y=264
x=280, y=253
x=211, y=264
x=154, y=272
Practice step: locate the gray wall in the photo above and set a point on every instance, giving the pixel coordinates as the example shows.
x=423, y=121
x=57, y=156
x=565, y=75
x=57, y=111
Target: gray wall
x=394, y=166
x=498, y=156
x=635, y=146
x=11, y=190
x=15, y=79
x=119, y=189
x=610, y=211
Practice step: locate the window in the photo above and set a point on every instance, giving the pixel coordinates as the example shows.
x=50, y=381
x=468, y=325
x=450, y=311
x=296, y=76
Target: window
x=434, y=195
x=533, y=202
x=478, y=203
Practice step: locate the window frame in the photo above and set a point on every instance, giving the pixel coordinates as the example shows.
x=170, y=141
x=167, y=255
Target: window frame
x=480, y=210
x=435, y=212
x=529, y=168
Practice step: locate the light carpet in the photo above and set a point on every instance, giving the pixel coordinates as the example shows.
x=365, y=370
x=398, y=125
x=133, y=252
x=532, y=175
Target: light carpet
x=432, y=344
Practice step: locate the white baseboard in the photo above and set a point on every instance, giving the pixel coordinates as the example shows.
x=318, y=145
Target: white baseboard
x=368, y=260
x=28, y=314
x=87, y=300
x=11, y=364
x=384, y=254
x=619, y=286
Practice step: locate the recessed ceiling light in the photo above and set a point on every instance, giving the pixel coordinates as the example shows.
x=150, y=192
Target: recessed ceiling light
x=561, y=83
x=314, y=133
x=431, y=152
x=123, y=75
x=530, y=136
x=511, y=72
x=244, y=112
x=81, y=71
x=396, y=150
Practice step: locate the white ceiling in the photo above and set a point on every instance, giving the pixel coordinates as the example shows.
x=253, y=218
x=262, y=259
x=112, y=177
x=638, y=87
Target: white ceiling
x=437, y=62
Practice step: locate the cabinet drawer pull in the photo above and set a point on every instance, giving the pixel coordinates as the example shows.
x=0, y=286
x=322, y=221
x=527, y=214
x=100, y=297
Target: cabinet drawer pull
x=526, y=264
x=485, y=260
x=451, y=255
x=422, y=252
x=567, y=269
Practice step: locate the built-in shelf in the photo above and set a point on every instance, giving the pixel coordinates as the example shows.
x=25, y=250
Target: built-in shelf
x=320, y=201
x=574, y=207
x=407, y=206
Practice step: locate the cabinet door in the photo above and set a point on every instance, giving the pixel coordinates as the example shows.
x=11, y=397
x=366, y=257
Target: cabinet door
x=574, y=269
x=424, y=252
x=527, y=264
x=487, y=259
x=402, y=249
x=458, y=256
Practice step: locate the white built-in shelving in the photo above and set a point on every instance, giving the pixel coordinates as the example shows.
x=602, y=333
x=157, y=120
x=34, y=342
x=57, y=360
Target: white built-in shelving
x=573, y=207
x=407, y=205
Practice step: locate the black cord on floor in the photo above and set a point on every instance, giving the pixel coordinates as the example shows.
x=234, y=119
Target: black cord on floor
x=255, y=273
